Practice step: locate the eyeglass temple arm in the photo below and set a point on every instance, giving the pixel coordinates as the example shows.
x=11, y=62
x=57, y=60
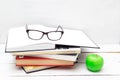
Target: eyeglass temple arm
x=59, y=27
x=26, y=27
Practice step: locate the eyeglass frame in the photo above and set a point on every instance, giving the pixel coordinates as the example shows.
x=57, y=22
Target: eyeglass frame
x=44, y=33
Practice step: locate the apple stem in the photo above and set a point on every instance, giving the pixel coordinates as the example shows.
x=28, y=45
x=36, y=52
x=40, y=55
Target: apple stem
x=96, y=55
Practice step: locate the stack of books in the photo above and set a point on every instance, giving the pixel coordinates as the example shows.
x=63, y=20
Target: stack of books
x=33, y=55
x=40, y=60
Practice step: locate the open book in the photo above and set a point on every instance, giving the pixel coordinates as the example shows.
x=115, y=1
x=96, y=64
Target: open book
x=18, y=39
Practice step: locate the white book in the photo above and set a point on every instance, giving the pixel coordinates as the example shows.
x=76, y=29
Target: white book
x=51, y=52
x=32, y=47
x=67, y=57
x=18, y=39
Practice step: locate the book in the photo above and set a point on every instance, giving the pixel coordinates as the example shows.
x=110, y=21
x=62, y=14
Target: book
x=18, y=39
x=67, y=57
x=62, y=50
x=30, y=69
x=41, y=61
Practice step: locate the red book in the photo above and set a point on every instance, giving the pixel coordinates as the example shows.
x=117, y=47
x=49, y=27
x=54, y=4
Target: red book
x=40, y=61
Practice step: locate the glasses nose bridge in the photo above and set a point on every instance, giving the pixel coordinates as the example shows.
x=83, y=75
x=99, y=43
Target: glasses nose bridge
x=45, y=33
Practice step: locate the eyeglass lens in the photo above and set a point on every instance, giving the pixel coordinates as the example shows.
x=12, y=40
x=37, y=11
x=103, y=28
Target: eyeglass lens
x=35, y=34
x=54, y=35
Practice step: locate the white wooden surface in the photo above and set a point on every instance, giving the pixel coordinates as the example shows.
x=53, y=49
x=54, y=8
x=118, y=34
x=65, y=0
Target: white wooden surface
x=8, y=70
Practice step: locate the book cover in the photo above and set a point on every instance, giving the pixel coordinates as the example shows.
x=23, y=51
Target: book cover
x=30, y=69
x=18, y=39
x=41, y=61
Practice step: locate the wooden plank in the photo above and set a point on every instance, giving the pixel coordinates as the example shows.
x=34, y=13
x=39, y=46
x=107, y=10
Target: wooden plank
x=64, y=78
x=78, y=70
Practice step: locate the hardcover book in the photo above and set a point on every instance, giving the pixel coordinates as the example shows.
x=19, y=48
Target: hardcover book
x=30, y=69
x=18, y=39
x=67, y=57
x=40, y=61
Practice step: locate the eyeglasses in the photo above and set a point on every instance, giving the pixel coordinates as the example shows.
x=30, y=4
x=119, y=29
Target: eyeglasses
x=51, y=35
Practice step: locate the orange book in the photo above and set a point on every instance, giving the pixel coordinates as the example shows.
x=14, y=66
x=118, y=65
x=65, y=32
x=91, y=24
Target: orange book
x=41, y=61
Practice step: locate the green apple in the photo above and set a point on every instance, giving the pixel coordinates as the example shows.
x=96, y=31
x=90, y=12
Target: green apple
x=94, y=62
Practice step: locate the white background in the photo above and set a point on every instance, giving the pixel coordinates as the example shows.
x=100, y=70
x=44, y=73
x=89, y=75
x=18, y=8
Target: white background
x=100, y=19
